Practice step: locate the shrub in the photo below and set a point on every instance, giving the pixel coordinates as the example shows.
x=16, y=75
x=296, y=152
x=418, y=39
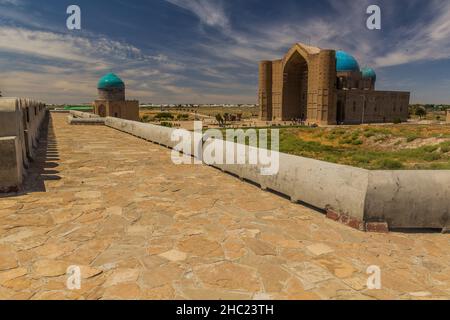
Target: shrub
x=164, y=115
x=355, y=135
x=219, y=119
x=339, y=131
x=397, y=121
x=167, y=124
x=431, y=149
x=445, y=147
x=421, y=112
x=362, y=158
x=432, y=156
x=346, y=140
x=412, y=137
x=183, y=116
x=390, y=164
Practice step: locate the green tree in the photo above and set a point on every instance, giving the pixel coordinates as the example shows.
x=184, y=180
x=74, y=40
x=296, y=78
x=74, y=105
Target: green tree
x=226, y=118
x=421, y=112
x=219, y=119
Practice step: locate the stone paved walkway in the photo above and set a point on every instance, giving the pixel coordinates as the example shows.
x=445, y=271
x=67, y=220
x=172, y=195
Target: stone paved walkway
x=142, y=228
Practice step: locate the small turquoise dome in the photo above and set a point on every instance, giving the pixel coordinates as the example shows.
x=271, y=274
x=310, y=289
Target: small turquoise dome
x=110, y=81
x=346, y=62
x=369, y=73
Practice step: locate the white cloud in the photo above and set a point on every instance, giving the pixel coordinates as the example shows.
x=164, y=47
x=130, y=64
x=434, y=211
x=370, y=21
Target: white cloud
x=428, y=39
x=69, y=65
x=424, y=42
x=224, y=63
x=63, y=46
x=209, y=12
x=11, y=2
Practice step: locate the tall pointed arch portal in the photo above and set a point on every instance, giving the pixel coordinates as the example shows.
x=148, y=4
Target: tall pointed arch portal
x=295, y=87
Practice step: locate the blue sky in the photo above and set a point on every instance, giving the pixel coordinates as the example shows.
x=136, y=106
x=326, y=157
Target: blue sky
x=207, y=51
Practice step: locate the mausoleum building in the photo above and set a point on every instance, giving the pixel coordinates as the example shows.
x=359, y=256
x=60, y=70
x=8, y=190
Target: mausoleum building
x=111, y=100
x=325, y=87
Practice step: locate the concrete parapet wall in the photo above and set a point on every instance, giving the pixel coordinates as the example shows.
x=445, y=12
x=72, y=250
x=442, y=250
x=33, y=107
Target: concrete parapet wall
x=85, y=121
x=157, y=134
x=20, y=119
x=84, y=118
x=357, y=197
x=409, y=199
x=84, y=115
x=150, y=132
x=320, y=184
x=11, y=164
x=59, y=111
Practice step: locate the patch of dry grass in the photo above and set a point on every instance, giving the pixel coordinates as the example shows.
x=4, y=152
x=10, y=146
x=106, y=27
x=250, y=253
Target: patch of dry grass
x=372, y=147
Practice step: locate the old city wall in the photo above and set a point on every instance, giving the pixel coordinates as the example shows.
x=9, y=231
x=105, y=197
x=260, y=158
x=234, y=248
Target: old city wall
x=20, y=124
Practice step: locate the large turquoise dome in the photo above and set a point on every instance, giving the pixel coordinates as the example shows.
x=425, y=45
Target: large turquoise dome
x=345, y=62
x=110, y=81
x=369, y=73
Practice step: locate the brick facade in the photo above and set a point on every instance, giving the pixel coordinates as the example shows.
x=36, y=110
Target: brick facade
x=305, y=85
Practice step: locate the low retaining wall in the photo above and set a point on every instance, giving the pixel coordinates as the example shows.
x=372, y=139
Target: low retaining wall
x=320, y=184
x=149, y=132
x=409, y=199
x=20, y=124
x=363, y=199
x=85, y=121
x=85, y=115
x=84, y=118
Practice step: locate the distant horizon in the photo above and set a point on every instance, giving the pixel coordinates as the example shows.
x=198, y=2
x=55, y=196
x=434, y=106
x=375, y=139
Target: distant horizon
x=208, y=50
x=220, y=104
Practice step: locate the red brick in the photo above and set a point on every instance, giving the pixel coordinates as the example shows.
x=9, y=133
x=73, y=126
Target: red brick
x=380, y=227
x=332, y=215
x=346, y=220
x=356, y=224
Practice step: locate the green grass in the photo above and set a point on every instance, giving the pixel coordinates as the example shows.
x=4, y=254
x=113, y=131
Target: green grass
x=78, y=108
x=412, y=137
x=350, y=148
x=164, y=116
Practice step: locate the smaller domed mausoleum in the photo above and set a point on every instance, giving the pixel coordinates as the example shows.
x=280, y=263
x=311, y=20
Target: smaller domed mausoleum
x=111, y=100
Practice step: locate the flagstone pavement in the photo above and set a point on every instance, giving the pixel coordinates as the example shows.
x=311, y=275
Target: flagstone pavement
x=140, y=227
